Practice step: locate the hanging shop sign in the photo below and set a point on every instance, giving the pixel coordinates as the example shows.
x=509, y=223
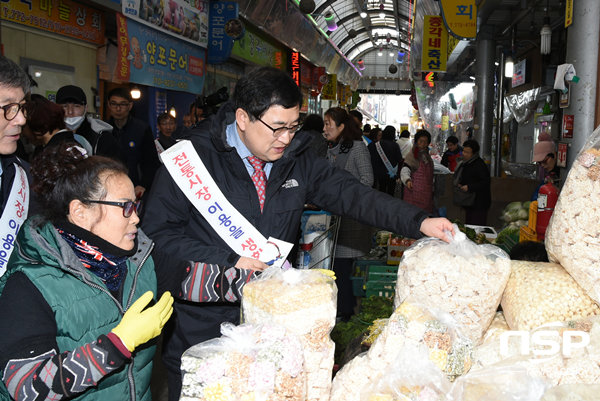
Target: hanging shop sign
x=259, y=49
x=460, y=17
x=223, y=28
x=330, y=88
x=150, y=57
x=305, y=97
x=64, y=17
x=435, y=42
x=568, y=13
x=345, y=95
x=519, y=74
x=568, y=122
x=561, y=155
x=319, y=78
x=184, y=19
x=296, y=69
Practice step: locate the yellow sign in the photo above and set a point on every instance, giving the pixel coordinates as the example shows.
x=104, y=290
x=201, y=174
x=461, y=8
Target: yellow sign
x=445, y=124
x=435, y=44
x=569, y=13
x=64, y=17
x=452, y=43
x=460, y=17
x=345, y=95
x=330, y=88
x=403, y=127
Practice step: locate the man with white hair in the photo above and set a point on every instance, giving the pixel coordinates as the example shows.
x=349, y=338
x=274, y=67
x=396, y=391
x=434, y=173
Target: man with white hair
x=14, y=180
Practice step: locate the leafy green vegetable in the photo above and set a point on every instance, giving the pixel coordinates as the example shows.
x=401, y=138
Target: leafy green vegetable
x=526, y=205
x=523, y=214
x=510, y=230
x=513, y=206
x=372, y=308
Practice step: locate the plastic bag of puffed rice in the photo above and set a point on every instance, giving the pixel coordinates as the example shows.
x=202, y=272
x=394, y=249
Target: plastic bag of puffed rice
x=539, y=293
x=461, y=278
x=573, y=234
x=250, y=362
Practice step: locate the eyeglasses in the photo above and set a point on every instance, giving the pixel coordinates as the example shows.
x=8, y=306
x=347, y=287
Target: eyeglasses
x=168, y=123
x=114, y=105
x=128, y=207
x=277, y=132
x=12, y=109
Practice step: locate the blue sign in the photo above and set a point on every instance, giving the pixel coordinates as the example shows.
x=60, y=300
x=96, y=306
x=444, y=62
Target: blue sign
x=149, y=57
x=223, y=28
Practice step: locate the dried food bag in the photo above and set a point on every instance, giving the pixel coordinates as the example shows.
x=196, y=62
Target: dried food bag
x=577, y=364
x=573, y=234
x=539, y=293
x=460, y=277
x=572, y=392
x=410, y=324
x=496, y=329
x=412, y=376
x=506, y=383
x=249, y=362
x=304, y=301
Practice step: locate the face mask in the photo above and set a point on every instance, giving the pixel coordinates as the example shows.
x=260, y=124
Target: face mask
x=74, y=122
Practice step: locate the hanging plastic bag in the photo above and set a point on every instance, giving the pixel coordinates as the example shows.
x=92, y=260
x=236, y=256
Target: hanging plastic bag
x=412, y=376
x=539, y=293
x=462, y=278
x=304, y=301
x=510, y=383
x=573, y=234
x=411, y=323
x=253, y=362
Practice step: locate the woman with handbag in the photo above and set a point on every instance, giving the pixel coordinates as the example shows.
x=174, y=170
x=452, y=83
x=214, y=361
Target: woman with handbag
x=472, y=185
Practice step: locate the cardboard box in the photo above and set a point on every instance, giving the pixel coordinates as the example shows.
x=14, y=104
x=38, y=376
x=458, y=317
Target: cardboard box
x=395, y=253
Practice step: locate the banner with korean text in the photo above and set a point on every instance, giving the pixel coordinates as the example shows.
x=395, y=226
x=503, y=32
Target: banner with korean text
x=150, y=57
x=64, y=17
x=184, y=19
x=435, y=42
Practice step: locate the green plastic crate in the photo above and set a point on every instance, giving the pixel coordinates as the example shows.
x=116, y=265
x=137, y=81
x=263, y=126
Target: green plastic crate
x=358, y=283
x=380, y=289
x=381, y=273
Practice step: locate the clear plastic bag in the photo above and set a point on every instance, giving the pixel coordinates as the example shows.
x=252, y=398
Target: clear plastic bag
x=539, y=293
x=412, y=376
x=305, y=302
x=253, y=362
x=510, y=383
x=573, y=234
x=410, y=324
x=572, y=392
x=496, y=329
x=462, y=278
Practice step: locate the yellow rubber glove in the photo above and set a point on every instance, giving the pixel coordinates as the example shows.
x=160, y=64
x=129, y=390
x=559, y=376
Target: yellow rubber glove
x=328, y=273
x=138, y=325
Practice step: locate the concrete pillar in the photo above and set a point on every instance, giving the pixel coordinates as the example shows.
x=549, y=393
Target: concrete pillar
x=582, y=51
x=484, y=79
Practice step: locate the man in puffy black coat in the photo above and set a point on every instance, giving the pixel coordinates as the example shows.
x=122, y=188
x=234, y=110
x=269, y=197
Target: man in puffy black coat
x=261, y=120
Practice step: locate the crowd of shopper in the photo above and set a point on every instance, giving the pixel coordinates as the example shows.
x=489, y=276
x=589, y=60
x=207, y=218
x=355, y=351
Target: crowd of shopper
x=92, y=285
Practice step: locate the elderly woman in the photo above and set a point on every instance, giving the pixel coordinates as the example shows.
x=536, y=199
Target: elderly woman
x=417, y=173
x=77, y=304
x=473, y=176
x=349, y=153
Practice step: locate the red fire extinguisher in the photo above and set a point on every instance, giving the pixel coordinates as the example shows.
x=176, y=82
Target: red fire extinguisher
x=547, y=198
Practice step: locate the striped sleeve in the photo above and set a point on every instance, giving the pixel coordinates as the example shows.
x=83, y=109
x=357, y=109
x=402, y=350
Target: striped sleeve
x=215, y=283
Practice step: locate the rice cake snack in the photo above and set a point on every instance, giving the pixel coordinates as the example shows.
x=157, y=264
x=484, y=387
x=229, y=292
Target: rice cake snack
x=462, y=278
x=539, y=293
x=248, y=362
x=304, y=301
x=573, y=234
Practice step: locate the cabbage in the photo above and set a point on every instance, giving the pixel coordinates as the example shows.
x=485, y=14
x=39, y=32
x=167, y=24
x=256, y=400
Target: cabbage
x=523, y=214
x=513, y=206
x=522, y=223
x=526, y=205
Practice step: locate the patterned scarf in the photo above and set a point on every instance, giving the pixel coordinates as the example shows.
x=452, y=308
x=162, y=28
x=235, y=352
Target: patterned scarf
x=110, y=269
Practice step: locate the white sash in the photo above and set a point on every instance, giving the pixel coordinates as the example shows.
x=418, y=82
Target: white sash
x=159, y=148
x=194, y=180
x=15, y=213
x=391, y=170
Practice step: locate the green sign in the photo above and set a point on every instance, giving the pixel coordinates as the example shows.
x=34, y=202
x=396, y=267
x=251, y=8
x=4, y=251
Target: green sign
x=256, y=47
